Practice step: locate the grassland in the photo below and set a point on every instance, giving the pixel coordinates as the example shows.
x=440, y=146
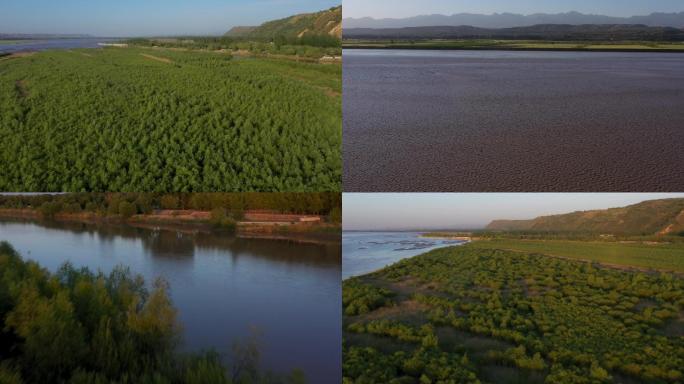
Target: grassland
x=11, y=42
x=473, y=315
x=167, y=120
x=649, y=255
x=479, y=44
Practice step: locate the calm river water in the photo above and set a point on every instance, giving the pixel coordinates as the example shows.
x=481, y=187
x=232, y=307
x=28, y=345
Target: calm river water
x=365, y=252
x=222, y=285
x=42, y=45
x=513, y=121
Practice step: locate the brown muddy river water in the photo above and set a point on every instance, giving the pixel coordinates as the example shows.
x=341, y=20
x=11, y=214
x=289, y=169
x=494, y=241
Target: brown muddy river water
x=513, y=121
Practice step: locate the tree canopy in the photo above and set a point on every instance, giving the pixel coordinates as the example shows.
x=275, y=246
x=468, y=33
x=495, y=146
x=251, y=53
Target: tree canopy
x=76, y=326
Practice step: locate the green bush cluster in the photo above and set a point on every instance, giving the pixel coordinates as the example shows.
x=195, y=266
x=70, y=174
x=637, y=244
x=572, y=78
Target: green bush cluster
x=358, y=298
x=313, y=46
x=561, y=320
x=117, y=120
x=75, y=326
x=220, y=218
x=367, y=365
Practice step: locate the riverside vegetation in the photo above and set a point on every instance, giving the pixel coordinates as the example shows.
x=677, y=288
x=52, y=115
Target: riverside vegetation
x=480, y=314
x=513, y=45
x=225, y=208
x=162, y=120
x=76, y=326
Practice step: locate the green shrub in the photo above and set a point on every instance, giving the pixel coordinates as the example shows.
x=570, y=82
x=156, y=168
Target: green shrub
x=127, y=209
x=75, y=326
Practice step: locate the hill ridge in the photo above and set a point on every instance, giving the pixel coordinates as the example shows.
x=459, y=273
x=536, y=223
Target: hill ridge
x=327, y=22
x=508, y=20
x=584, y=32
x=661, y=217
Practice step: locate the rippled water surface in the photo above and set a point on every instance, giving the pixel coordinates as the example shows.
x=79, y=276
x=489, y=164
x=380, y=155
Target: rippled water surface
x=365, y=252
x=222, y=285
x=513, y=121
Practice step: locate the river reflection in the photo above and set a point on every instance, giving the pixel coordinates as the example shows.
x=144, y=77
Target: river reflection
x=222, y=285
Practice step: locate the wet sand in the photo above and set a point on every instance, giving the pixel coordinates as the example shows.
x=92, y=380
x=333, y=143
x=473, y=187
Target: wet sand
x=513, y=121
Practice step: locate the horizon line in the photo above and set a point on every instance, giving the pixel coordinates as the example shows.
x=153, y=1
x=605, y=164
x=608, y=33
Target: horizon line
x=517, y=14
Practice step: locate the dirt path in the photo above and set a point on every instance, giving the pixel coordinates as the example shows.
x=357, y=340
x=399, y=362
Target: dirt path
x=163, y=60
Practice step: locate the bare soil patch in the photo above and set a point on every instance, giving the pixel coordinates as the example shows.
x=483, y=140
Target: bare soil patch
x=405, y=310
x=17, y=55
x=22, y=54
x=22, y=88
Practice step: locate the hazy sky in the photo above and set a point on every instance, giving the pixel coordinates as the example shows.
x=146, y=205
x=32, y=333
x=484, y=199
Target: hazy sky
x=145, y=17
x=469, y=210
x=406, y=8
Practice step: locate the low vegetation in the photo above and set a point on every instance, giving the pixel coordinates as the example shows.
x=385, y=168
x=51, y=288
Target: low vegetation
x=485, y=44
x=473, y=315
x=313, y=47
x=76, y=326
x=638, y=254
x=163, y=120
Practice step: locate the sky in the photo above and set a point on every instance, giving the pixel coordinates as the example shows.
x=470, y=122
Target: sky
x=405, y=211
x=114, y=18
x=407, y=8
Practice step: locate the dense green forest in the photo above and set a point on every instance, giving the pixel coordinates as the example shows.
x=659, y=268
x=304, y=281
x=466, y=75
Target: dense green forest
x=162, y=120
x=323, y=203
x=468, y=315
x=76, y=326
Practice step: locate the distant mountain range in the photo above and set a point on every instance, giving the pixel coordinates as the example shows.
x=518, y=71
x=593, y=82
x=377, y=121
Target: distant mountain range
x=508, y=20
x=660, y=217
x=588, y=32
x=328, y=22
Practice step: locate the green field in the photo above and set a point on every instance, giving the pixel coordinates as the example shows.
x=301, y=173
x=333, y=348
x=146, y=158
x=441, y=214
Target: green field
x=470, y=315
x=168, y=120
x=661, y=256
x=11, y=42
x=477, y=44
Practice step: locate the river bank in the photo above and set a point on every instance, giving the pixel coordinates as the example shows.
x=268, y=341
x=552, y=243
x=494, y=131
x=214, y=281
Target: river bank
x=281, y=226
x=516, y=45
